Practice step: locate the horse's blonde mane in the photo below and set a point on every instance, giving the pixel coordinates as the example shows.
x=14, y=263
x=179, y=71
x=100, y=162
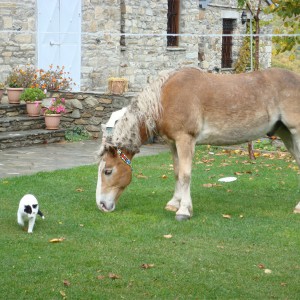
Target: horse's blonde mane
x=144, y=109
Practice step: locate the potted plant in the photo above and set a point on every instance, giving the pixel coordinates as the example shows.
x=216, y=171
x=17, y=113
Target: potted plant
x=17, y=80
x=33, y=98
x=53, y=113
x=117, y=85
x=53, y=79
x=1, y=90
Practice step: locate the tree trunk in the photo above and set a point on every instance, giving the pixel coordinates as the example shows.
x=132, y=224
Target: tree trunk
x=256, y=66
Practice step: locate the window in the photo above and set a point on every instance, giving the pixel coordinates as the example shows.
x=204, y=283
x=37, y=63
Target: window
x=122, y=29
x=228, y=26
x=173, y=22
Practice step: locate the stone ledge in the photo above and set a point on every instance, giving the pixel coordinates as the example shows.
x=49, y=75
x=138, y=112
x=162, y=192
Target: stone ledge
x=14, y=139
x=20, y=123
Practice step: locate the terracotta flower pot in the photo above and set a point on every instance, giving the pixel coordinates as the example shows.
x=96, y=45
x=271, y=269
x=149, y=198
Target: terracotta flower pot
x=52, y=121
x=14, y=94
x=34, y=108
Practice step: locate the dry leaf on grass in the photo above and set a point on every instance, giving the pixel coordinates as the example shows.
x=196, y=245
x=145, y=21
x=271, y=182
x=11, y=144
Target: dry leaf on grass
x=63, y=294
x=114, y=276
x=268, y=271
x=210, y=185
x=168, y=236
x=141, y=176
x=66, y=282
x=100, y=277
x=79, y=190
x=283, y=284
x=147, y=266
x=57, y=240
x=225, y=216
x=164, y=176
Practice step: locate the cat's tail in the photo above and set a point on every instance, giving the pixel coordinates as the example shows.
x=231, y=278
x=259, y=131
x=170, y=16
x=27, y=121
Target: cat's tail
x=41, y=214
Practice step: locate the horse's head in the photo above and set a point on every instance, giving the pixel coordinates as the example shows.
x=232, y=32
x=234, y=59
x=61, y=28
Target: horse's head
x=114, y=174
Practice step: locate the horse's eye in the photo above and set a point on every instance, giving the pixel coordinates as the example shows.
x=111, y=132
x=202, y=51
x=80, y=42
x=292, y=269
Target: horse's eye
x=107, y=172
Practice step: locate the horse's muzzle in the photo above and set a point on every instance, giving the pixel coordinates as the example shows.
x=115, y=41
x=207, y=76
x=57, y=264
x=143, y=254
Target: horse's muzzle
x=105, y=207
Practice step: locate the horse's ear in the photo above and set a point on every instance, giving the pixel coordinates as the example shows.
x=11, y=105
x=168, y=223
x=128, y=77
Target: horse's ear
x=112, y=150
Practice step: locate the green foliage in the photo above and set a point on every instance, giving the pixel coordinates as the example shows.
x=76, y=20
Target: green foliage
x=77, y=133
x=32, y=94
x=208, y=257
x=289, y=12
x=244, y=58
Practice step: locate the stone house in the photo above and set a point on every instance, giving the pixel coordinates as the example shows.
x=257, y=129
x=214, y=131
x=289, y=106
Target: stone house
x=96, y=40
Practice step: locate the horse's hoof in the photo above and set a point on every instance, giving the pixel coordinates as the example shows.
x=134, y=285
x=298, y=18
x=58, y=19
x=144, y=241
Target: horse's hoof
x=182, y=217
x=171, y=208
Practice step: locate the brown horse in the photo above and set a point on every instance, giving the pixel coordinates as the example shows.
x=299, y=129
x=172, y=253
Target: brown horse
x=189, y=106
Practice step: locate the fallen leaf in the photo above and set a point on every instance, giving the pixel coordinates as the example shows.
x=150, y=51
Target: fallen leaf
x=141, y=176
x=226, y=216
x=100, y=277
x=67, y=282
x=256, y=154
x=261, y=266
x=168, y=236
x=164, y=176
x=283, y=284
x=79, y=190
x=114, y=276
x=268, y=271
x=63, y=294
x=238, y=173
x=57, y=240
x=208, y=185
x=147, y=266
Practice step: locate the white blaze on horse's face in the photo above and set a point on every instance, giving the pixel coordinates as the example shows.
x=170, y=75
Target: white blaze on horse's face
x=113, y=177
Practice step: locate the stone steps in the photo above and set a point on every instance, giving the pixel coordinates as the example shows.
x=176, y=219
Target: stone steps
x=21, y=123
x=17, y=129
x=13, y=139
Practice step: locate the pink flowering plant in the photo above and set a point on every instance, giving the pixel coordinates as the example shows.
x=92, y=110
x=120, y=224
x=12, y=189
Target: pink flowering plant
x=57, y=106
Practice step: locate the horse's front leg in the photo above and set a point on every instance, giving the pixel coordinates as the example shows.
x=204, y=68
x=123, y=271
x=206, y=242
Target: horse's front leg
x=174, y=203
x=185, y=150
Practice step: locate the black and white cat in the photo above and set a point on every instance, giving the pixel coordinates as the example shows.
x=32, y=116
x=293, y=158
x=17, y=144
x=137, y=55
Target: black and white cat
x=28, y=210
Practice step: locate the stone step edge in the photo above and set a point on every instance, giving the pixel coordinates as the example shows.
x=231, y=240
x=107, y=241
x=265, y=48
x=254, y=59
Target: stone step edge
x=20, y=119
x=7, y=105
x=16, y=135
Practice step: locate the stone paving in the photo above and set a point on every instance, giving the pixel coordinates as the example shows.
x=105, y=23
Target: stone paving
x=33, y=159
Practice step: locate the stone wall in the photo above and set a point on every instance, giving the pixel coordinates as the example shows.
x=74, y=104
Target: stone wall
x=17, y=37
x=90, y=110
x=138, y=57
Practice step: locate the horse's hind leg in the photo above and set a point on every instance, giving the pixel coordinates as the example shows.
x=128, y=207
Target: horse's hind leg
x=291, y=140
x=174, y=203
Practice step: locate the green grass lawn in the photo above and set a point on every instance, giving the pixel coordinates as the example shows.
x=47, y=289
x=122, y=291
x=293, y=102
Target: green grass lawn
x=243, y=241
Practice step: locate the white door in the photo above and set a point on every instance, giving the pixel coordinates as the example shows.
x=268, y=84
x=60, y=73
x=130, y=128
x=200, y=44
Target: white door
x=59, y=36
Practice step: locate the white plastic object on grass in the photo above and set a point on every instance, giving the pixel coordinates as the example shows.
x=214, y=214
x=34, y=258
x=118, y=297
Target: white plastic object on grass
x=227, y=179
